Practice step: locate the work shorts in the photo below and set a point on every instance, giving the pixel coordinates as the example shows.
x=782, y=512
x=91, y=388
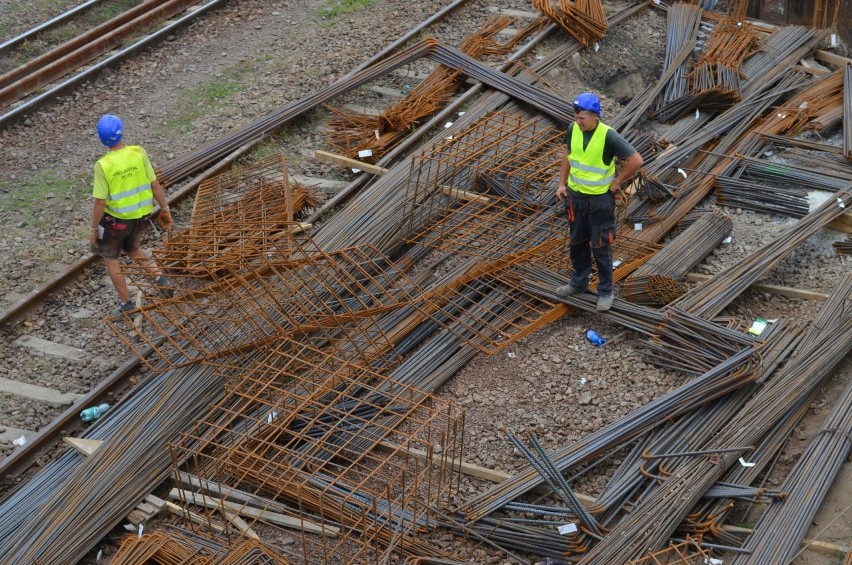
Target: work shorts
x=118, y=236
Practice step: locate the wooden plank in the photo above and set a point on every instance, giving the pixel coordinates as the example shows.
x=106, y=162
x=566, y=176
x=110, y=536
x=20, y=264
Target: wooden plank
x=350, y=163
x=194, y=518
x=465, y=195
x=84, y=446
x=831, y=58
x=462, y=466
x=842, y=223
x=770, y=288
x=256, y=513
x=823, y=547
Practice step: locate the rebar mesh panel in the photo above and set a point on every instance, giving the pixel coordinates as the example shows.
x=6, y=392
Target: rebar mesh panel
x=260, y=191
x=504, y=160
x=294, y=289
x=311, y=440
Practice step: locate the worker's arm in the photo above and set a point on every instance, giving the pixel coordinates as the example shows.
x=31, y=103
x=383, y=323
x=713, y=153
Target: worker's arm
x=561, y=191
x=165, y=216
x=97, y=215
x=629, y=168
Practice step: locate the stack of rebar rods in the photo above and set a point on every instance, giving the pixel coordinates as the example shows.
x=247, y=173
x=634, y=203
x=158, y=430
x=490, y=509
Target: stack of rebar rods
x=708, y=299
x=584, y=20
x=655, y=518
x=847, y=111
x=681, y=30
x=740, y=193
x=659, y=280
x=844, y=246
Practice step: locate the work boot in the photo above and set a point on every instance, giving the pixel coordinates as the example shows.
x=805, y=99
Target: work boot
x=124, y=307
x=604, y=302
x=567, y=290
x=167, y=289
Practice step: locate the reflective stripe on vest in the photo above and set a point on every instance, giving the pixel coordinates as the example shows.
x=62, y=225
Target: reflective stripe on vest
x=589, y=174
x=130, y=195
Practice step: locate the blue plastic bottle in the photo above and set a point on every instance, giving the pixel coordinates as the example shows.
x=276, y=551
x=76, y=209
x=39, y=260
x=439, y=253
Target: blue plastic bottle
x=94, y=412
x=594, y=338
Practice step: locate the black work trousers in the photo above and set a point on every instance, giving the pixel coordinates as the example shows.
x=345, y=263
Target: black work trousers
x=592, y=233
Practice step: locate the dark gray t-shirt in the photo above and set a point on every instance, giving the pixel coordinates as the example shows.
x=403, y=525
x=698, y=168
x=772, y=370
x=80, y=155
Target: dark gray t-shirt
x=614, y=144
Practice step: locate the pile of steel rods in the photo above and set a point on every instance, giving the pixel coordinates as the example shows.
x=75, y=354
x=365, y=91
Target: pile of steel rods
x=844, y=246
x=847, y=111
x=740, y=193
x=681, y=31
x=659, y=280
x=708, y=299
x=655, y=518
x=584, y=20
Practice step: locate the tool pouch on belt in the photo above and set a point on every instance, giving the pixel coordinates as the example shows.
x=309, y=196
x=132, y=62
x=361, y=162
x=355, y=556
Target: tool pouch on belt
x=110, y=223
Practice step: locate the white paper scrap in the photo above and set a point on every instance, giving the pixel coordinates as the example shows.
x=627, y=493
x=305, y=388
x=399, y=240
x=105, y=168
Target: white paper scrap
x=365, y=153
x=616, y=263
x=657, y=2
x=745, y=463
x=356, y=171
x=681, y=171
x=20, y=441
x=714, y=561
x=99, y=555
x=511, y=354
x=834, y=40
x=583, y=381
x=449, y=138
x=461, y=114
x=637, y=227
x=377, y=133
x=727, y=240
x=597, y=47
x=569, y=528
x=840, y=203
x=697, y=113
x=141, y=527
x=447, y=125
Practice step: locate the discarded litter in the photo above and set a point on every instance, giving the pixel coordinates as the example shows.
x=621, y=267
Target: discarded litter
x=758, y=326
x=20, y=441
x=569, y=528
x=93, y=412
x=594, y=338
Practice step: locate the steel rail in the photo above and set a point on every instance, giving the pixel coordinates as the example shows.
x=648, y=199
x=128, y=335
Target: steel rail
x=10, y=44
x=37, y=101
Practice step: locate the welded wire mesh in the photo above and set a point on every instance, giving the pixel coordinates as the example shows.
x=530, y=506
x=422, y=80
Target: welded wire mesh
x=688, y=552
x=295, y=288
x=331, y=444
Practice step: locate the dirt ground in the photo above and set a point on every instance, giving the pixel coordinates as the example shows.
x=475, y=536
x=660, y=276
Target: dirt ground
x=251, y=56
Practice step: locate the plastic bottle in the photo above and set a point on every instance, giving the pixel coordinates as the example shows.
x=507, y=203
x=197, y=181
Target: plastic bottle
x=94, y=412
x=594, y=338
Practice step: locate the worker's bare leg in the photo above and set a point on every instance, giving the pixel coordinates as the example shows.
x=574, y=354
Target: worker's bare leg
x=117, y=277
x=143, y=257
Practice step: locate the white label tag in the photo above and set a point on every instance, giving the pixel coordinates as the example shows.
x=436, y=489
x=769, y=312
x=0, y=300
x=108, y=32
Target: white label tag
x=20, y=441
x=141, y=527
x=356, y=171
x=461, y=114
x=365, y=153
x=727, y=240
x=568, y=529
x=681, y=171
x=377, y=134
x=100, y=232
x=745, y=463
x=449, y=138
x=697, y=113
x=99, y=555
x=657, y=2
x=616, y=263
x=637, y=227
x=597, y=47
x=834, y=40
x=447, y=125
x=840, y=203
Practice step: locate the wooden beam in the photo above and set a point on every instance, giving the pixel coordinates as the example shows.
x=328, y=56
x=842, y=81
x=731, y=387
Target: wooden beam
x=461, y=466
x=823, y=547
x=465, y=195
x=770, y=288
x=194, y=518
x=842, y=223
x=350, y=163
x=831, y=58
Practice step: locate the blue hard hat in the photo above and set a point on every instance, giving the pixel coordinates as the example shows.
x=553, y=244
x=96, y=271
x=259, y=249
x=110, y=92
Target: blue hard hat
x=109, y=130
x=589, y=102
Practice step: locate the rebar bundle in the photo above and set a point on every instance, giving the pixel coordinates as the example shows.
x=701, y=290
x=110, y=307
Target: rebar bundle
x=370, y=137
x=708, y=299
x=843, y=247
x=659, y=281
x=847, y=111
x=681, y=30
x=584, y=20
x=740, y=193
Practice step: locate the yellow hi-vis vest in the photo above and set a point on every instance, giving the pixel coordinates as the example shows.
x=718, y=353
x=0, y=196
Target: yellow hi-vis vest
x=589, y=174
x=130, y=194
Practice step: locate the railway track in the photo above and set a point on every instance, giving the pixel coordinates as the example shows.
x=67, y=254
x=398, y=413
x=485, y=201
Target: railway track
x=22, y=89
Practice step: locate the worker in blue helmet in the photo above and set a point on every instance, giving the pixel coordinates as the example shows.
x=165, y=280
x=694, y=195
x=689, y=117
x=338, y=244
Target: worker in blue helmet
x=125, y=189
x=589, y=187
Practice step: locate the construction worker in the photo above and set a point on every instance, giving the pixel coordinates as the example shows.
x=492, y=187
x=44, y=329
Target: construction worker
x=124, y=190
x=591, y=193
